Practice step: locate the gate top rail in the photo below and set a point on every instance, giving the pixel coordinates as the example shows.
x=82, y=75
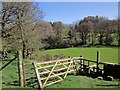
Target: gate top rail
x=46, y=62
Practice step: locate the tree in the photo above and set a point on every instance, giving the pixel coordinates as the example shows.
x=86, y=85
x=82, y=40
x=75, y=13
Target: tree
x=109, y=30
x=47, y=34
x=92, y=21
x=83, y=29
x=58, y=27
x=20, y=20
x=102, y=27
x=116, y=29
x=72, y=36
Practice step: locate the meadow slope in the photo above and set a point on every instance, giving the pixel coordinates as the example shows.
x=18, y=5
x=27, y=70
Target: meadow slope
x=10, y=73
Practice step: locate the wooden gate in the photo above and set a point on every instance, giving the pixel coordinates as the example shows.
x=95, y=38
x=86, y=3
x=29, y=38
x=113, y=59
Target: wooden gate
x=51, y=72
x=29, y=77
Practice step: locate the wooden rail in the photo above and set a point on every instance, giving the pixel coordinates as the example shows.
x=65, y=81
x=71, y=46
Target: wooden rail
x=46, y=62
x=58, y=69
x=28, y=74
x=38, y=76
x=53, y=69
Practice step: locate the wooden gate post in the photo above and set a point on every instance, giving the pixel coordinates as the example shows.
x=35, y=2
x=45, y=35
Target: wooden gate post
x=81, y=62
x=97, y=61
x=20, y=68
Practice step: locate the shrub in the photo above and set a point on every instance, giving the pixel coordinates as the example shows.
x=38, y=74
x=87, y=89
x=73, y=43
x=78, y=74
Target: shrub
x=61, y=56
x=47, y=57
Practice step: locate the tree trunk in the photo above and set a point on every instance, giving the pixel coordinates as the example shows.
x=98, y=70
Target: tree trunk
x=20, y=69
x=82, y=38
x=92, y=39
x=23, y=51
x=100, y=40
x=85, y=38
x=118, y=37
x=119, y=42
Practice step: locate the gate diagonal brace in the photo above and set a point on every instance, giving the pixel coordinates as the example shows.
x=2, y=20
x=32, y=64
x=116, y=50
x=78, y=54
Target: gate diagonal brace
x=71, y=61
x=50, y=73
x=53, y=74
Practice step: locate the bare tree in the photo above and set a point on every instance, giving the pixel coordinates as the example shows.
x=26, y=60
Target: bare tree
x=83, y=29
x=20, y=19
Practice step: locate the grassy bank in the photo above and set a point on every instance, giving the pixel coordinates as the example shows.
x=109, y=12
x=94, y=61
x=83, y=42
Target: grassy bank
x=10, y=73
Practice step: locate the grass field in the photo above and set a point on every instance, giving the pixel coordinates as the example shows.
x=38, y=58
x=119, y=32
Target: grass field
x=10, y=73
x=84, y=82
x=106, y=54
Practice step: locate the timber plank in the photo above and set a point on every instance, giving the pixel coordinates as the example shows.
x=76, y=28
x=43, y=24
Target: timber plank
x=38, y=76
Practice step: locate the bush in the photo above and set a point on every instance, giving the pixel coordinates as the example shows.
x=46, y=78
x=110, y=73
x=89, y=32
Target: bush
x=108, y=40
x=47, y=57
x=56, y=56
x=61, y=56
x=32, y=57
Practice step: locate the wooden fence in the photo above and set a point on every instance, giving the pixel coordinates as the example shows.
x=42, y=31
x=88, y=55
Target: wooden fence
x=29, y=76
x=51, y=72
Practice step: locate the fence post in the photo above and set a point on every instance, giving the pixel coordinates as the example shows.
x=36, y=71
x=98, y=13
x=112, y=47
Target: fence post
x=97, y=61
x=20, y=68
x=81, y=62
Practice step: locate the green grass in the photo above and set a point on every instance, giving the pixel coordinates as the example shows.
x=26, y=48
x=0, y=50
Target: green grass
x=10, y=73
x=84, y=82
x=106, y=54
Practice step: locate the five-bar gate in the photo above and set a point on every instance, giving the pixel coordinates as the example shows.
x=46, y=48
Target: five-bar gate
x=51, y=72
